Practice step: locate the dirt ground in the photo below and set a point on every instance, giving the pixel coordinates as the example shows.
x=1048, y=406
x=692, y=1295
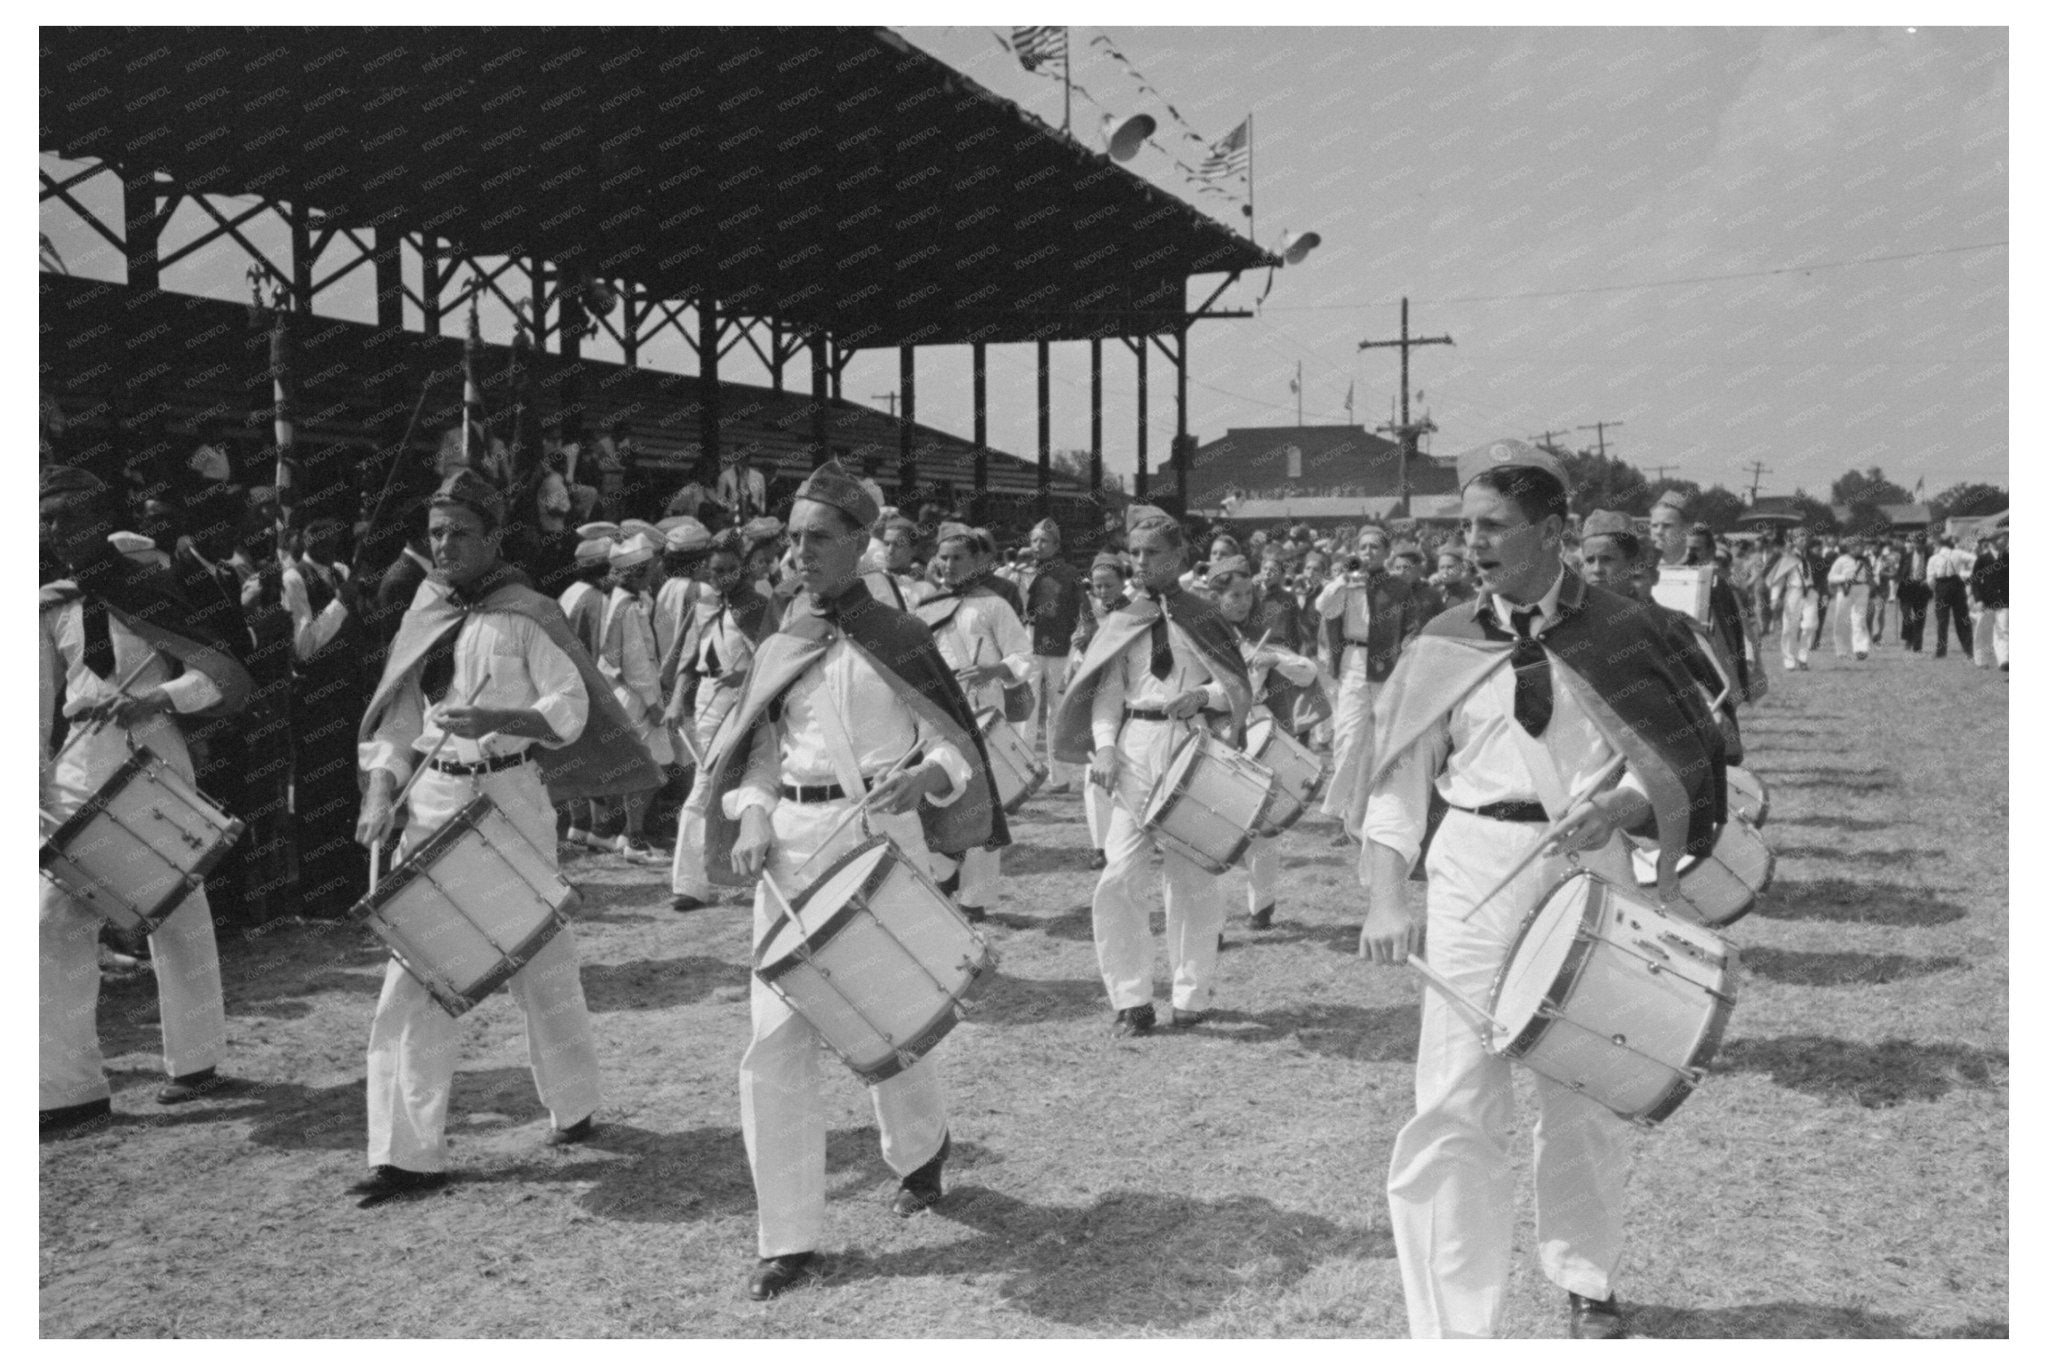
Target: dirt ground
x=1843, y=1171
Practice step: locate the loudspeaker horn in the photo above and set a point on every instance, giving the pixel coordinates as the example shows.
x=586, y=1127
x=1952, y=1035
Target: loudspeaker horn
x=1294, y=249
x=1124, y=141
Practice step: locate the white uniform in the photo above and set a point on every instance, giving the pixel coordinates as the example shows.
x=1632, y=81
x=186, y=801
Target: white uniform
x=1351, y=713
x=982, y=629
x=721, y=647
x=629, y=662
x=840, y=723
x=1849, y=582
x=413, y=1041
x=1798, y=596
x=1450, y=1186
x=182, y=950
x=1194, y=898
x=1262, y=859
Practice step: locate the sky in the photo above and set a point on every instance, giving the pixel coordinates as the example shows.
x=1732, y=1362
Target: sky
x=1731, y=246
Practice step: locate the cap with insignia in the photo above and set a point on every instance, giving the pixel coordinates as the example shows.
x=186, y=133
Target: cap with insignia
x=1229, y=565
x=832, y=485
x=1509, y=453
x=1671, y=497
x=599, y=530
x=596, y=550
x=686, y=536
x=67, y=481
x=1108, y=559
x=1143, y=514
x=635, y=549
x=1605, y=523
x=469, y=489
x=952, y=530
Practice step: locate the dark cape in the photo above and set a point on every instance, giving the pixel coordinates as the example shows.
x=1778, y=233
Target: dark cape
x=1297, y=707
x=900, y=648
x=1613, y=655
x=605, y=760
x=205, y=636
x=1196, y=621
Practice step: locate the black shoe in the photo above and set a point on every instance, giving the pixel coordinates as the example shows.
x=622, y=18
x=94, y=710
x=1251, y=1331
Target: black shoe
x=778, y=1273
x=922, y=1187
x=65, y=1118
x=975, y=914
x=1262, y=918
x=579, y=1131
x=1219, y=940
x=1597, y=1319
x=1187, y=1018
x=685, y=903
x=385, y=1183
x=1132, y=1022
x=197, y=1086
x=1097, y=860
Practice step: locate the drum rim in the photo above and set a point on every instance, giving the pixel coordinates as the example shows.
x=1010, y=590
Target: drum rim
x=1559, y=990
x=1721, y=1010
x=918, y=1046
x=515, y=960
x=147, y=919
x=771, y=970
x=405, y=873
x=97, y=803
x=1157, y=805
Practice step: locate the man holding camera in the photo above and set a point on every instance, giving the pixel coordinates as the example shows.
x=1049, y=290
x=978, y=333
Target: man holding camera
x=1368, y=615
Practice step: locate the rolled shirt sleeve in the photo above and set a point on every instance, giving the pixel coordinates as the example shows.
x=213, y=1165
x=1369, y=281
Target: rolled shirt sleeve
x=1397, y=810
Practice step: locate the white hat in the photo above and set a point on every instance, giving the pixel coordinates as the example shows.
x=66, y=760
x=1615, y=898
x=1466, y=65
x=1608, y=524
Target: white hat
x=633, y=526
x=637, y=549
x=594, y=551
x=685, y=535
x=596, y=530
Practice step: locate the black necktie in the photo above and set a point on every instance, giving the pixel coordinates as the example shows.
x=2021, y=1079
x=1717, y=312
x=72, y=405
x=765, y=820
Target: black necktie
x=1162, y=644
x=1532, y=674
x=99, y=644
x=437, y=671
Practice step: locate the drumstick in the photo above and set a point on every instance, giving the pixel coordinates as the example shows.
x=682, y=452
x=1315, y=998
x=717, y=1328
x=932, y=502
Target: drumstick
x=1536, y=850
x=855, y=810
x=1451, y=993
x=398, y=801
x=99, y=719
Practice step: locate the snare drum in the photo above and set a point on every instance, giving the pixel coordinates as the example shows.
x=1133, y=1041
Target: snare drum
x=1297, y=772
x=1723, y=886
x=472, y=905
x=1747, y=796
x=876, y=958
x=1606, y=993
x=140, y=844
x=1017, y=773
x=1210, y=803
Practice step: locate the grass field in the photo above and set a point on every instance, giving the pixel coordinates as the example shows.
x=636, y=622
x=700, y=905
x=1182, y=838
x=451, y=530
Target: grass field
x=1842, y=1173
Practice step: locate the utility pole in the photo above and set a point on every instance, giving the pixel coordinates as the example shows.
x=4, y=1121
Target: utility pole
x=1545, y=438
x=1601, y=429
x=891, y=396
x=1406, y=431
x=1756, y=478
x=1656, y=472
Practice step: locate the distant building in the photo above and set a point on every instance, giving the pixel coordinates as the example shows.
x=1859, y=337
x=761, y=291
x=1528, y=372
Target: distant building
x=1336, y=473
x=1902, y=516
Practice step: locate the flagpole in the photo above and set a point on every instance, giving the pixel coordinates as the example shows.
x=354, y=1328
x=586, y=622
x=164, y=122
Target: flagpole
x=1297, y=394
x=1251, y=199
x=1067, y=82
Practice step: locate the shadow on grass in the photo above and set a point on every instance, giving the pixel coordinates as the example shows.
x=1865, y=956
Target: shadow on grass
x=610, y=901
x=1871, y=857
x=1010, y=1000
x=1354, y=1032
x=1841, y=969
x=1874, y=1075
x=1809, y=1321
x=293, y=1117
x=1028, y=859
x=609, y=988
x=1128, y=1260
x=1842, y=822
x=650, y=1177
x=1847, y=902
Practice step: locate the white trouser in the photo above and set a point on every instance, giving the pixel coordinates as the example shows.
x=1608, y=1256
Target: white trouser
x=1799, y=624
x=782, y=1113
x=686, y=868
x=1052, y=679
x=1993, y=627
x=413, y=1041
x=1451, y=1183
x=1351, y=725
x=1262, y=873
x=181, y=951
x=1194, y=898
x=1851, y=613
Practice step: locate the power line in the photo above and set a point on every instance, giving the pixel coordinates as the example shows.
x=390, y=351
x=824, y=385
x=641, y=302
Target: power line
x=1658, y=284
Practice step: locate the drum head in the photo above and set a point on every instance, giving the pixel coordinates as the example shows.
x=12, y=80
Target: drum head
x=821, y=906
x=1538, y=960
x=1256, y=735
x=1175, y=778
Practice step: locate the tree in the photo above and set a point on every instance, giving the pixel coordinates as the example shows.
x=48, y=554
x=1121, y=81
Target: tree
x=1865, y=519
x=1719, y=508
x=1969, y=500
x=1603, y=482
x=1816, y=515
x=1869, y=486
x=1685, y=488
x=1074, y=464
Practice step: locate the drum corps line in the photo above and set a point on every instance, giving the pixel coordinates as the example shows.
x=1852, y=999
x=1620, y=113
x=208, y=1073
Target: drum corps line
x=1538, y=780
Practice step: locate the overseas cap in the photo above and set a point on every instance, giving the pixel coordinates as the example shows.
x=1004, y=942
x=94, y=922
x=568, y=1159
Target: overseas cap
x=832, y=484
x=1605, y=523
x=686, y=535
x=1509, y=453
x=637, y=549
x=467, y=488
x=594, y=551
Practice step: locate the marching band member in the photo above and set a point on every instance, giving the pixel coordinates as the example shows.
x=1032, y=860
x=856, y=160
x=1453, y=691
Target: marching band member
x=899, y=550
x=629, y=662
x=1501, y=708
x=1671, y=536
x=847, y=696
x=713, y=662
x=1285, y=689
x=583, y=602
x=1157, y=665
x=96, y=626
x=1368, y=615
x=1053, y=605
x=987, y=647
x=539, y=718
x=1108, y=578
x=328, y=642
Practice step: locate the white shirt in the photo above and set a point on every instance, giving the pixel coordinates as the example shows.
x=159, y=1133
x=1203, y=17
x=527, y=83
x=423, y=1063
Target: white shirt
x=840, y=703
x=522, y=669
x=984, y=630
x=1127, y=681
x=311, y=632
x=1948, y=563
x=628, y=660
x=1349, y=600
x=64, y=626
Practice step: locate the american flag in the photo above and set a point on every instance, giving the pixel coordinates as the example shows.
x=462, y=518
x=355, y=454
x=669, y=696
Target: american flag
x=1038, y=45
x=1231, y=156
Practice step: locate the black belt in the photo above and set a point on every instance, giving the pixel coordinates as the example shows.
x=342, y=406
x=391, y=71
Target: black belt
x=1364, y=644
x=1514, y=812
x=488, y=765
x=831, y=791
x=1145, y=713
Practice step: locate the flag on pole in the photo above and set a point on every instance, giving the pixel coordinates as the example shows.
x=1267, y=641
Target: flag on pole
x=1038, y=45
x=1348, y=391
x=472, y=392
x=1232, y=156
x=1294, y=384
